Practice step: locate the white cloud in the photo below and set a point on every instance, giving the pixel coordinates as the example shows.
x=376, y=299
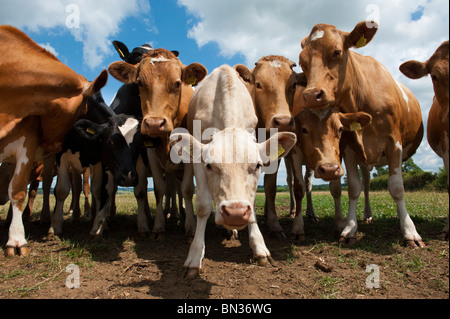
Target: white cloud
x=254, y=29
x=98, y=21
x=49, y=48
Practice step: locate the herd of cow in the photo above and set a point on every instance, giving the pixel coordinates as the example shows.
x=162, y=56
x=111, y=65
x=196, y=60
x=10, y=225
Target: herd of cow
x=343, y=106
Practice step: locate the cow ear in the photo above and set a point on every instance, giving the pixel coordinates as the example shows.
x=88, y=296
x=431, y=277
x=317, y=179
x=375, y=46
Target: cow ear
x=185, y=148
x=243, y=72
x=193, y=74
x=277, y=146
x=88, y=130
x=123, y=72
x=361, y=35
x=355, y=121
x=414, y=69
x=303, y=43
x=96, y=85
x=122, y=49
x=176, y=53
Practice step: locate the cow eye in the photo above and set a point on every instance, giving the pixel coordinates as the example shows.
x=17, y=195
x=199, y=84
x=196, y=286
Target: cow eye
x=258, y=85
x=208, y=167
x=340, y=130
x=139, y=83
x=177, y=85
x=258, y=166
x=337, y=53
x=434, y=78
x=305, y=131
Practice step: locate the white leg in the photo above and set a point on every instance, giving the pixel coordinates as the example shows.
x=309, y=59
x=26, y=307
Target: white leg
x=257, y=244
x=354, y=191
x=187, y=190
x=309, y=203
x=365, y=172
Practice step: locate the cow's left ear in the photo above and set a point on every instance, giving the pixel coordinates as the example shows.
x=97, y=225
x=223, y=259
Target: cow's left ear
x=193, y=74
x=123, y=72
x=355, y=121
x=414, y=69
x=361, y=35
x=122, y=49
x=277, y=146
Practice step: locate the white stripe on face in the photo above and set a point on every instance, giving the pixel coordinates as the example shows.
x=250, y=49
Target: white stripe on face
x=317, y=35
x=128, y=129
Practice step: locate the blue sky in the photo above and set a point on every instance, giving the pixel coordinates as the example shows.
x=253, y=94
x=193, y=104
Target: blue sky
x=231, y=32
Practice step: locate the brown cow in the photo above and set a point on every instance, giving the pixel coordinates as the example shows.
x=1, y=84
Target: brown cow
x=40, y=98
x=165, y=91
x=339, y=77
x=438, y=120
x=272, y=86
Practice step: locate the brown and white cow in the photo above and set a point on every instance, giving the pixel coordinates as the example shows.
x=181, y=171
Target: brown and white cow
x=227, y=160
x=339, y=77
x=272, y=86
x=165, y=91
x=438, y=118
x=40, y=99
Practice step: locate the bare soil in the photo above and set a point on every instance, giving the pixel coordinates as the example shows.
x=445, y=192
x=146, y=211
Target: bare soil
x=125, y=265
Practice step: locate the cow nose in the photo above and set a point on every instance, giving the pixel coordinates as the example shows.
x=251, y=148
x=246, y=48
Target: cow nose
x=154, y=126
x=236, y=214
x=314, y=97
x=283, y=123
x=329, y=172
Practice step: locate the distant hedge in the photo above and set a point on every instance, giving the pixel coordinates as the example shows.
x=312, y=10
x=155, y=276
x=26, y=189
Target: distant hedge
x=414, y=181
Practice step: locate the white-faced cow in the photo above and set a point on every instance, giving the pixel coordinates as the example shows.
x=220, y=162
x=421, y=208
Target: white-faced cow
x=41, y=98
x=339, y=77
x=438, y=118
x=227, y=168
x=165, y=91
x=112, y=149
x=272, y=86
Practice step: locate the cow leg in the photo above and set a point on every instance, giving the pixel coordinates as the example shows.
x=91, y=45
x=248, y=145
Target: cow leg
x=96, y=188
x=396, y=189
x=365, y=173
x=203, y=207
x=336, y=192
x=62, y=190
x=290, y=182
x=298, y=231
x=86, y=190
x=159, y=188
x=187, y=190
x=76, y=193
x=23, y=150
x=354, y=191
x=140, y=192
x=32, y=192
x=309, y=203
x=47, y=179
x=106, y=196
x=444, y=234
x=270, y=189
x=257, y=244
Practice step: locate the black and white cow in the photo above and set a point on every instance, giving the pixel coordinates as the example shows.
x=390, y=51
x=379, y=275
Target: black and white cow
x=111, y=147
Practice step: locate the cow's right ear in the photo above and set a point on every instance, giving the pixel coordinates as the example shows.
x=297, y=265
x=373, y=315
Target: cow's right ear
x=414, y=69
x=96, y=85
x=88, y=130
x=185, y=148
x=122, y=49
x=243, y=72
x=355, y=121
x=123, y=72
x=277, y=146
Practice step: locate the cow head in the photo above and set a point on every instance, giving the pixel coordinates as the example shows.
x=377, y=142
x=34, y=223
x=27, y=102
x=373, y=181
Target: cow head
x=437, y=67
x=161, y=77
x=319, y=133
x=232, y=163
x=272, y=86
x=119, y=142
x=324, y=60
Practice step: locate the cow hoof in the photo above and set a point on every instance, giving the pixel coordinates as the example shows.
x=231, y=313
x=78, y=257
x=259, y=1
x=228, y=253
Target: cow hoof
x=313, y=219
x=368, y=221
x=443, y=236
x=96, y=238
x=24, y=251
x=10, y=251
x=297, y=237
x=349, y=241
x=192, y=273
x=414, y=244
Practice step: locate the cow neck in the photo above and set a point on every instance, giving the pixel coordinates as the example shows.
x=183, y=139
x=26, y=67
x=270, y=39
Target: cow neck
x=349, y=99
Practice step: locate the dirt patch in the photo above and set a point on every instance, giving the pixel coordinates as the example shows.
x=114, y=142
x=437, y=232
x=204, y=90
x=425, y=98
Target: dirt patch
x=126, y=266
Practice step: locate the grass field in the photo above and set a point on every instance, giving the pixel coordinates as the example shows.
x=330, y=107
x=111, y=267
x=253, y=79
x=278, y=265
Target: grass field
x=125, y=265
